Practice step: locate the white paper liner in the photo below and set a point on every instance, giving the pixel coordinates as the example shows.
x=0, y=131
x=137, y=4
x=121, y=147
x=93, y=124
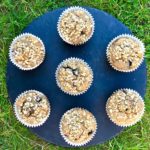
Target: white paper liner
x=135, y=39
x=68, y=10
x=58, y=68
x=11, y=53
x=140, y=115
x=21, y=120
x=70, y=142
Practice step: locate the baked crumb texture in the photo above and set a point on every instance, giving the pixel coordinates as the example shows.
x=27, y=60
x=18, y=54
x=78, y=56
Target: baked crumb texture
x=125, y=53
x=78, y=126
x=125, y=107
x=32, y=108
x=74, y=76
x=76, y=25
x=27, y=51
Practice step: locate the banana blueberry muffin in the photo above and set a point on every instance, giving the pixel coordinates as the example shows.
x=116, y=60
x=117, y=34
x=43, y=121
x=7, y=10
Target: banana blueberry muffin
x=125, y=107
x=76, y=25
x=78, y=126
x=27, y=51
x=125, y=53
x=32, y=108
x=74, y=76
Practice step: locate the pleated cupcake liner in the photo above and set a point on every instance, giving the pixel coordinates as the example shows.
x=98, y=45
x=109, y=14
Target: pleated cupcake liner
x=140, y=116
x=72, y=9
x=73, y=143
x=21, y=120
x=68, y=60
x=11, y=53
x=133, y=38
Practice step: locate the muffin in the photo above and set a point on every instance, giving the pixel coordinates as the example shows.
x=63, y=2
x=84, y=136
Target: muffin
x=78, y=126
x=27, y=51
x=125, y=107
x=74, y=76
x=125, y=53
x=76, y=25
x=32, y=108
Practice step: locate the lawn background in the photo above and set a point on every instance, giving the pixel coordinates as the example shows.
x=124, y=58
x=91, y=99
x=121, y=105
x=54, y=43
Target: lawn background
x=16, y=15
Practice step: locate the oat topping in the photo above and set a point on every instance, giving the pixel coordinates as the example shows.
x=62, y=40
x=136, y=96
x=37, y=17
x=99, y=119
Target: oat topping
x=76, y=26
x=74, y=76
x=125, y=107
x=78, y=125
x=28, y=51
x=125, y=53
x=32, y=107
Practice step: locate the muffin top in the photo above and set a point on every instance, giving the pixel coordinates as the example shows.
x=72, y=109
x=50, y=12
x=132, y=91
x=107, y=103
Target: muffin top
x=27, y=51
x=125, y=107
x=74, y=76
x=32, y=107
x=125, y=54
x=76, y=26
x=78, y=125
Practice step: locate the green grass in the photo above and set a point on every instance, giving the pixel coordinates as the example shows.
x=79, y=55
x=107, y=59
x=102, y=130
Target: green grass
x=15, y=15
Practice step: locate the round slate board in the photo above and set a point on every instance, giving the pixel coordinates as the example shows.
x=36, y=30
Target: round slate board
x=106, y=79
